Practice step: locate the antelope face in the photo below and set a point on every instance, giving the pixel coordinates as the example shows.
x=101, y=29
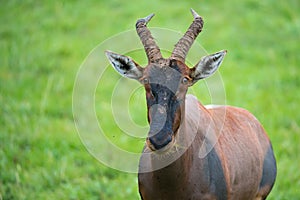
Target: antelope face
x=165, y=87
x=166, y=81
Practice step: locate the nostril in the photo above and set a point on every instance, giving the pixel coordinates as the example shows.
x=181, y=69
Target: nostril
x=153, y=141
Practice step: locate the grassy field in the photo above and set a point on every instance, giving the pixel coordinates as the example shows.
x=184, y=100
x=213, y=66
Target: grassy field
x=43, y=43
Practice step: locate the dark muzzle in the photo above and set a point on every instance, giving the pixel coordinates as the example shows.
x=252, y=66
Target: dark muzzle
x=160, y=140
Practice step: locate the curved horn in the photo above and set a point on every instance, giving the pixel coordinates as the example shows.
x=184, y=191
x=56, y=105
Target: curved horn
x=184, y=44
x=152, y=50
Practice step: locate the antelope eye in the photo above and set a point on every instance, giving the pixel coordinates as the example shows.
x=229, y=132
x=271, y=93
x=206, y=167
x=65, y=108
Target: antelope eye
x=145, y=81
x=185, y=80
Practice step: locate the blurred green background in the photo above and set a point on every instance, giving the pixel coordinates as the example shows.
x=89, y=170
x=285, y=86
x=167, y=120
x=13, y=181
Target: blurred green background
x=43, y=43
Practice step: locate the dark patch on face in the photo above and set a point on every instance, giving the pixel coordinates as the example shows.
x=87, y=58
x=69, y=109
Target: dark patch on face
x=161, y=125
x=161, y=90
x=269, y=169
x=165, y=77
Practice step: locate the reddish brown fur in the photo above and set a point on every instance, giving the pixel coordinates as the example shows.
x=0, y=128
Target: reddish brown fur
x=241, y=145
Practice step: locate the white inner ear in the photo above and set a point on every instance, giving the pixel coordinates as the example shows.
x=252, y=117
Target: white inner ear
x=124, y=65
x=209, y=64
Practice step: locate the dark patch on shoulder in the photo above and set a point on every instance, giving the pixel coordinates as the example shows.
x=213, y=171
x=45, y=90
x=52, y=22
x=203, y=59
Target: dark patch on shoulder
x=269, y=169
x=216, y=175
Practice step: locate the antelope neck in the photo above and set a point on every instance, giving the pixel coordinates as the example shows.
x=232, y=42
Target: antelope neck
x=188, y=134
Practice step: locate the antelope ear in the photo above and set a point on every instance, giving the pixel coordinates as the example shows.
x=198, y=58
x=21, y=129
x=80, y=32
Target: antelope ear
x=125, y=65
x=207, y=65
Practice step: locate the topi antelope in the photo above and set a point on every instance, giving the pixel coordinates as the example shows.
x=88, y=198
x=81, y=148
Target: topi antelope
x=193, y=151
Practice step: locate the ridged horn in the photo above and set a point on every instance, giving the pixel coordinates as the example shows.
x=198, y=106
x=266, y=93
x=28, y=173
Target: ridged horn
x=184, y=44
x=152, y=50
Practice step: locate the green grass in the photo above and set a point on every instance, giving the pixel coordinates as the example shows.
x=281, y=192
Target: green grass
x=43, y=43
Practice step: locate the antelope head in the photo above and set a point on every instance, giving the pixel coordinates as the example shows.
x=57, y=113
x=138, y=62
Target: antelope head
x=166, y=80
